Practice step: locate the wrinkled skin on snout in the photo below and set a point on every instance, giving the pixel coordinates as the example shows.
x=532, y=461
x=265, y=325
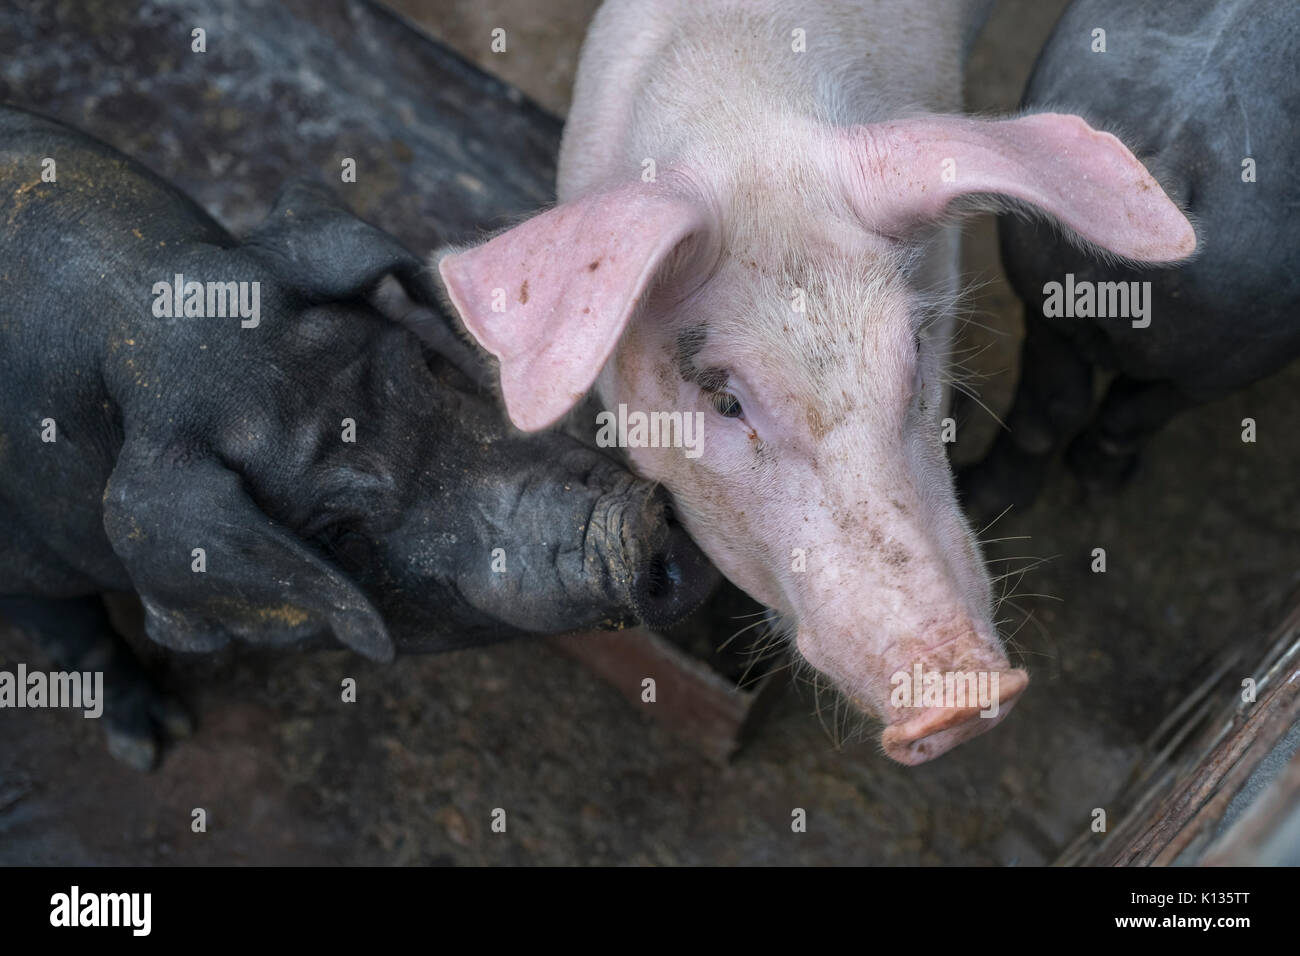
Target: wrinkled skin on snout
x=331, y=470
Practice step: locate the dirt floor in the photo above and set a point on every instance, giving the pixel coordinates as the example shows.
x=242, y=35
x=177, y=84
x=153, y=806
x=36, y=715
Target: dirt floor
x=1202, y=549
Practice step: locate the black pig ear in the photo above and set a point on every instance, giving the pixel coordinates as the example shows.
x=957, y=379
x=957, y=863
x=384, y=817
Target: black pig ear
x=321, y=250
x=257, y=582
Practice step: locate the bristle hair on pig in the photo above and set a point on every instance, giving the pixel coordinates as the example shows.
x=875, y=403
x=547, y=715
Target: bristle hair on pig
x=755, y=222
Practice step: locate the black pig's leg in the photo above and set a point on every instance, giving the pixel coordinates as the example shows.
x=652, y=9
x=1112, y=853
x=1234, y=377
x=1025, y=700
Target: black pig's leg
x=1105, y=456
x=1053, y=400
x=76, y=635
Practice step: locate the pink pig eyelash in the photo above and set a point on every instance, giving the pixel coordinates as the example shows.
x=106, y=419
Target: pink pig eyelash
x=726, y=404
x=715, y=383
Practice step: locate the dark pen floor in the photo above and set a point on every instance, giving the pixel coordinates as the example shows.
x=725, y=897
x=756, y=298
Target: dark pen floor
x=1202, y=549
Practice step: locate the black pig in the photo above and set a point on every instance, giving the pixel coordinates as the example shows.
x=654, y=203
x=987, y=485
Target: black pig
x=1209, y=92
x=325, y=444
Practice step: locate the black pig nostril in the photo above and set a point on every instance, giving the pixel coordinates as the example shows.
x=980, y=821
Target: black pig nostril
x=662, y=577
x=671, y=580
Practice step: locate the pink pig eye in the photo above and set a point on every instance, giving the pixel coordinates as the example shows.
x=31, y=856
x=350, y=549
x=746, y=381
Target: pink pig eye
x=725, y=404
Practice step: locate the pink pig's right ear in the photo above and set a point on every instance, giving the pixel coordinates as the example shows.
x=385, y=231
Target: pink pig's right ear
x=900, y=175
x=550, y=298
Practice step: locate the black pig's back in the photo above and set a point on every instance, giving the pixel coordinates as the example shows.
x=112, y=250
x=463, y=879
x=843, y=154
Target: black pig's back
x=1194, y=88
x=78, y=259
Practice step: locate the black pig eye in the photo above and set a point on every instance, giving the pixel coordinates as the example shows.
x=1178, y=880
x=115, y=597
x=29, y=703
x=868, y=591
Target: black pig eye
x=725, y=404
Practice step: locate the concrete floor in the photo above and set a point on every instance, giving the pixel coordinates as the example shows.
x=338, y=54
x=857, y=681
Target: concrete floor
x=1202, y=549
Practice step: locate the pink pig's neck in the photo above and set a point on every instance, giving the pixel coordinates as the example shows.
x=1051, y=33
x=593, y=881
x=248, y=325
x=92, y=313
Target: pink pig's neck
x=669, y=80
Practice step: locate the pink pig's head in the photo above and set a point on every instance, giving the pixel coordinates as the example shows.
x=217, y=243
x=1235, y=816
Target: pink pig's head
x=796, y=298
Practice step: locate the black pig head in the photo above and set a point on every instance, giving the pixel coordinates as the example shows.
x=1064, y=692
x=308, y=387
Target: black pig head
x=430, y=519
x=324, y=465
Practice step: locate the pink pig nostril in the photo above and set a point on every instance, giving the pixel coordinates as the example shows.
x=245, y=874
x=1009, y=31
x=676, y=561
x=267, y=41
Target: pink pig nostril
x=936, y=730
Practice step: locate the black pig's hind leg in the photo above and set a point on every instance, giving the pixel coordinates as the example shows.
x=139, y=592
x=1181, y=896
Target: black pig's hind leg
x=77, y=635
x=1105, y=456
x=1053, y=400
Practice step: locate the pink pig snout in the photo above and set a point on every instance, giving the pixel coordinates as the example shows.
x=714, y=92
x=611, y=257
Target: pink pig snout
x=926, y=732
x=930, y=698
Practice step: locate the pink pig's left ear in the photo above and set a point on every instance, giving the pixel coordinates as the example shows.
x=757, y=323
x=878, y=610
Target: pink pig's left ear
x=550, y=298
x=901, y=174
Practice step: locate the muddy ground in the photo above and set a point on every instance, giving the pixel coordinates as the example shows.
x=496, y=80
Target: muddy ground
x=1203, y=548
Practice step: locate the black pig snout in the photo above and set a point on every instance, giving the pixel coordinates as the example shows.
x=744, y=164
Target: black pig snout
x=669, y=577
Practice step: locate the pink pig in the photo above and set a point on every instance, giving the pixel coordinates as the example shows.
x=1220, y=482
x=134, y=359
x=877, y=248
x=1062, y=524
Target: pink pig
x=755, y=222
